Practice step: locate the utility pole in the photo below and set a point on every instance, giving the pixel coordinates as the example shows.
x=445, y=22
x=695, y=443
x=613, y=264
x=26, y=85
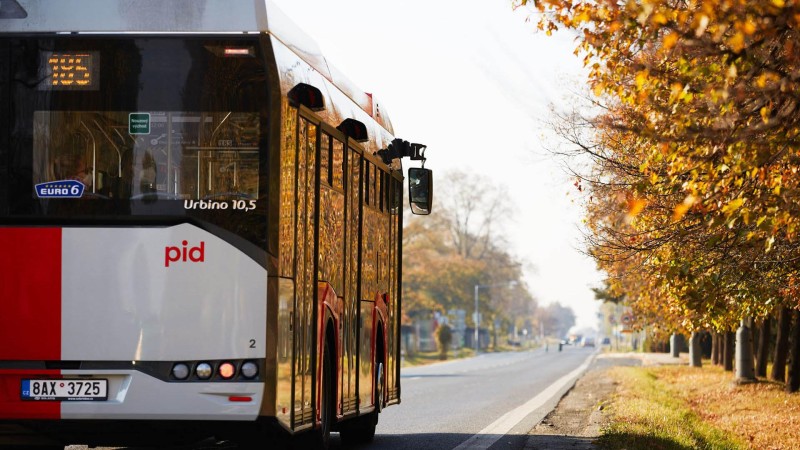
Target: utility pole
x=477, y=313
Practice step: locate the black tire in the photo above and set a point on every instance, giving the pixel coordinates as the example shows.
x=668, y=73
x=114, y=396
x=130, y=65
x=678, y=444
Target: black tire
x=362, y=430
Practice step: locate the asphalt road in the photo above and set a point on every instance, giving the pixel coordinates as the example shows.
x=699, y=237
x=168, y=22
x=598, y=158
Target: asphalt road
x=487, y=402
x=445, y=404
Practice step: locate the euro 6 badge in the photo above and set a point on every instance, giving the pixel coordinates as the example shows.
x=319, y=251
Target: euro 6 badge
x=60, y=189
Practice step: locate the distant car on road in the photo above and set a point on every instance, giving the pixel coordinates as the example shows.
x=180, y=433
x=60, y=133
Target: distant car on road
x=606, y=341
x=587, y=342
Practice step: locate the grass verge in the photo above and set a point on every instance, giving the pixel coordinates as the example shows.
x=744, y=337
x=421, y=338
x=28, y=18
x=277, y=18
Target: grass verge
x=679, y=407
x=647, y=414
x=424, y=358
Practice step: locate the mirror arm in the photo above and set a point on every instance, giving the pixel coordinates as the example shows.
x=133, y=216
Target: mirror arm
x=399, y=148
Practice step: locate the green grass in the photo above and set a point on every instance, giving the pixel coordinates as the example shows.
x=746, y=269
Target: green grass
x=648, y=414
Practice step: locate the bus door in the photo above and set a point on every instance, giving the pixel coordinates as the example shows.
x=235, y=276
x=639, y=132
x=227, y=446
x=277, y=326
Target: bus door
x=373, y=236
x=335, y=246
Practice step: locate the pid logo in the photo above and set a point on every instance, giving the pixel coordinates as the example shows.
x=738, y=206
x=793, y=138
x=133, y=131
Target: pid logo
x=185, y=253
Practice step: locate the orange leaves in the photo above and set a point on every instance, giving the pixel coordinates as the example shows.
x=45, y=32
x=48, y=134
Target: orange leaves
x=669, y=40
x=683, y=207
x=635, y=206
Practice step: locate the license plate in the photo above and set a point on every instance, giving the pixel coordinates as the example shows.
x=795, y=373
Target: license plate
x=65, y=390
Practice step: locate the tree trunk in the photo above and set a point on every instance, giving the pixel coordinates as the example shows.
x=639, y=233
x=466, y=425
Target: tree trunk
x=675, y=345
x=727, y=355
x=781, y=346
x=764, y=335
x=714, y=348
x=745, y=372
x=695, y=355
x=793, y=381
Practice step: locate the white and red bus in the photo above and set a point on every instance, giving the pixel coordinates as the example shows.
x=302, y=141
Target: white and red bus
x=200, y=228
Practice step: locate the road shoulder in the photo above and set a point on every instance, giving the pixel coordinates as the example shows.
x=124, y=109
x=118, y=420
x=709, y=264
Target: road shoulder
x=579, y=417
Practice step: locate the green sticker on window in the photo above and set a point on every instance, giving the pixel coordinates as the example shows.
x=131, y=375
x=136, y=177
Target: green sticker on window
x=139, y=123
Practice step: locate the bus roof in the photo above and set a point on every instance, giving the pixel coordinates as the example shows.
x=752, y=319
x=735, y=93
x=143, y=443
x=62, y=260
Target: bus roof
x=180, y=17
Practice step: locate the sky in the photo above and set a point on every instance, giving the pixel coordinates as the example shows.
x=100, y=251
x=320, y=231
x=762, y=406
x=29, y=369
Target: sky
x=474, y=81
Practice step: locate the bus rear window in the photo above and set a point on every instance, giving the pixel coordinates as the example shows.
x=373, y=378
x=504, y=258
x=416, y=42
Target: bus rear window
x=142, y=154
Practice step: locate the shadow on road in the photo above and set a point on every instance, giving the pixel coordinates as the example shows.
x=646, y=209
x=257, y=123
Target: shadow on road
x=540, y=442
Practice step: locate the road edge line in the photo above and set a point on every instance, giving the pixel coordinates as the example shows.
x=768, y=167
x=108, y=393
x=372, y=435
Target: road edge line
x=497, y=429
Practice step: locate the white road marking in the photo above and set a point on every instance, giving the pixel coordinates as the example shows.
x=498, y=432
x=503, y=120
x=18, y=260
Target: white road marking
x=497, y=429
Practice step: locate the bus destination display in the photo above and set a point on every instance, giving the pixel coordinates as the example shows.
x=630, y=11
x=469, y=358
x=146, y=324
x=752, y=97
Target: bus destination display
x=69, y=71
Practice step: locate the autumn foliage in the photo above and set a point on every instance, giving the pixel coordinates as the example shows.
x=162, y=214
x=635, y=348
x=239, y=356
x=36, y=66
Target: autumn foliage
x=460, y=245
x=692, y=196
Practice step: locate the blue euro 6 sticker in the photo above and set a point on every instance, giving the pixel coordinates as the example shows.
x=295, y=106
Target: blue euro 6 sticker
x=60, y=189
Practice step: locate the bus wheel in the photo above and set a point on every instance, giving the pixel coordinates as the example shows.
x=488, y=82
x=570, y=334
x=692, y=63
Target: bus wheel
x=362, y=429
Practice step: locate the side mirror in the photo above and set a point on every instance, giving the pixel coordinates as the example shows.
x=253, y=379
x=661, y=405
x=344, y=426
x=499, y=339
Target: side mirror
x=420, y=190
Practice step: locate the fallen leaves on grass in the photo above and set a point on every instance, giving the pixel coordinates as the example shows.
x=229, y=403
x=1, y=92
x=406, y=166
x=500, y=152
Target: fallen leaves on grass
x=759, y=414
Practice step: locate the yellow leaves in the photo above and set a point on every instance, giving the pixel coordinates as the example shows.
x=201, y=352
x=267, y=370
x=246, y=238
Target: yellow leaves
x=641, y=78
x=765, y=79
x=733, y=205
x=659, y=19
x=765, y=113
x=582, y=16
x=736, y=42
x=598, y=89
x=779, y=3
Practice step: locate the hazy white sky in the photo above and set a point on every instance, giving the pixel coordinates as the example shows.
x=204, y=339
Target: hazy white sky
x=473, y=81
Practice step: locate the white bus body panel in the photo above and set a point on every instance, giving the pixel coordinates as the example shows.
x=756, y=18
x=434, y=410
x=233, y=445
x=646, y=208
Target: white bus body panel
x=120, y=302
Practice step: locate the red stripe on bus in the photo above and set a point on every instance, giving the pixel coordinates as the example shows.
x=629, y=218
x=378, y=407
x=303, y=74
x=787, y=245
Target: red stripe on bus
x=11, y=404
x=30, y=289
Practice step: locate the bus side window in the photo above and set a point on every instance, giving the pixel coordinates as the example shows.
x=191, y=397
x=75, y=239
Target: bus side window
x=372, y=180
x=324, y=159
x=381, y=190
x=338, y=164
x=366, y=198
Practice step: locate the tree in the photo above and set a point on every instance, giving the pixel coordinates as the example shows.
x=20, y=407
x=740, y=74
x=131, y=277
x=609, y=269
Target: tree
x=556, y=319
x=474, y=213
x=458, y=247
x=692, y=196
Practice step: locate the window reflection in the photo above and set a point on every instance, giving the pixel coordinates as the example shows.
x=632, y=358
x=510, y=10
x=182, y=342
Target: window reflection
x=183, y=155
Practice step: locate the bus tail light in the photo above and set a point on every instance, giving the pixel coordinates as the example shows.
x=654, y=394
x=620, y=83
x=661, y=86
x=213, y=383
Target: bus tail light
x=227, y=370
